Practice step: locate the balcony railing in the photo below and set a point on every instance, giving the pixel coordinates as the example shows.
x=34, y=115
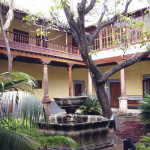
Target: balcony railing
x=33, y=44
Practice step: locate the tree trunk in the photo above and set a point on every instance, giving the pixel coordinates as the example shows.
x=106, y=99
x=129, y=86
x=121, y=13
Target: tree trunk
x=6, y=42
x=102, y=98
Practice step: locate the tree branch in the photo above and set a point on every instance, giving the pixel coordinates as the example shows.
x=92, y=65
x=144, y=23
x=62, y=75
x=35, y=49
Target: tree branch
x=91, y=5
x=100, y=26
x=84, y=3
x=9, y=16
x=72, y=23
x=125, y=64
x=6, y=41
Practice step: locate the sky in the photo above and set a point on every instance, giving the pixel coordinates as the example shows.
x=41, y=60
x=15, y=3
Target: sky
x=44, y=5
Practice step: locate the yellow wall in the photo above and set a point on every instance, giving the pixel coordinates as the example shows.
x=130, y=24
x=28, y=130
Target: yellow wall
x=21, y=25
x=105, y=68
x=134, y=76
x=81, y=74
x=58, y=77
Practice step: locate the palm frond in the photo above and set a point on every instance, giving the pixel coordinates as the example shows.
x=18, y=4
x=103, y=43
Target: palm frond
x=15, y=141
x=29, y=107
x=19, y=81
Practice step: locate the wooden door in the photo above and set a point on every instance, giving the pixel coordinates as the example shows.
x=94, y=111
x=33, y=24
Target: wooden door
x=78, y=89
x=115, y=92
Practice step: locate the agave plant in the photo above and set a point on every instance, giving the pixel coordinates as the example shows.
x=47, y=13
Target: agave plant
x=91, y=106
x=145, y=110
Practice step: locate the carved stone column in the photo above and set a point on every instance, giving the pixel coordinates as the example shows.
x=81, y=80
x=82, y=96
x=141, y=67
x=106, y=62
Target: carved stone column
x=89, y=83
x=46, y=100
x=70, y=79
x=123, y=106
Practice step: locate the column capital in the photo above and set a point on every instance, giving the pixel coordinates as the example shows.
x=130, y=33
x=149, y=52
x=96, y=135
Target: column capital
x=45, y=62
x=12, y=56
x=70, y=65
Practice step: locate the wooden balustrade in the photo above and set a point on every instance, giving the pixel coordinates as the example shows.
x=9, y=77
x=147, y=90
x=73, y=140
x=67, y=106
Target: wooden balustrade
x=34, y=41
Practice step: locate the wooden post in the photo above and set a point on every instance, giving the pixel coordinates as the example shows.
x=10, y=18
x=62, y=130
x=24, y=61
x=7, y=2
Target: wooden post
x=100, y=38
x=66, y=42
x=46, y=100
x=70, y=79
x=123, y=84
x=66, y=39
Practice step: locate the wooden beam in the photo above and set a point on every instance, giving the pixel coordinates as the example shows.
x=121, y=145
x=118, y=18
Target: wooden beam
x=43, y=57
x=115, y=59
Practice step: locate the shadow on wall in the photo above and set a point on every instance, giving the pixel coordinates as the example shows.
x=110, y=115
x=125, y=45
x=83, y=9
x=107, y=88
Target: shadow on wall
x=55, y=108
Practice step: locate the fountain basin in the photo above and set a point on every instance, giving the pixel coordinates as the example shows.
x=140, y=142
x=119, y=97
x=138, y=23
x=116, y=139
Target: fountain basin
x=89, y=132
x=70, y=104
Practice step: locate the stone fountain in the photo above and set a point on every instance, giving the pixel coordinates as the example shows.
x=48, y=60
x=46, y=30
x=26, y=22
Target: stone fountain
x=90, y=132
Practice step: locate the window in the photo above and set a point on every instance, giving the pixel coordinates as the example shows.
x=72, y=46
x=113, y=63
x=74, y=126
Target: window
x=109, y=31
x=146, y=86
x=104, y=39
x=42, y=41
x=139, y=30
x=117, y=35
x=21, y=36
x=120, y=32
x=123, y=35
x=97, y=43
x=39, y=84
x=147, y=23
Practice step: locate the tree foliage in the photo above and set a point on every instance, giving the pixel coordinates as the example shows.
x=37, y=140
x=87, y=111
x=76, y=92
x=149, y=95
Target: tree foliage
x=101, y=13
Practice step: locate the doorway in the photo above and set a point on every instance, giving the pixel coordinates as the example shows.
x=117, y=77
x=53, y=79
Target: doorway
x=115, y=92
x=78, y=87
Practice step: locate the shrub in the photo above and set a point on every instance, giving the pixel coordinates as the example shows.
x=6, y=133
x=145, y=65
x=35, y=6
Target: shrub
x=91, y=106
x=144, y=143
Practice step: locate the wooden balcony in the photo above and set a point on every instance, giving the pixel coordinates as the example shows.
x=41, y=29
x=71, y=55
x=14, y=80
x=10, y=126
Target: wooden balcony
x=25, y=43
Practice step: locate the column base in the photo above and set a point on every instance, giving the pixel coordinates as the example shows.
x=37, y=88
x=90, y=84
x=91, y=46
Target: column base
x=47, y=104
x=123, y=105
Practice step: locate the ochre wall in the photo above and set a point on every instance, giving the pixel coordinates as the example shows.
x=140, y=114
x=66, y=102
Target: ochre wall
x=105, y=68
x=21, y=25
x=134, y=76
x=58, y=77
x=80, y=74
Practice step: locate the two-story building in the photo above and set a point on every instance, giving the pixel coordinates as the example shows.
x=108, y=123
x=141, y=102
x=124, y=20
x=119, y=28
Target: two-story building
x=57, y=65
